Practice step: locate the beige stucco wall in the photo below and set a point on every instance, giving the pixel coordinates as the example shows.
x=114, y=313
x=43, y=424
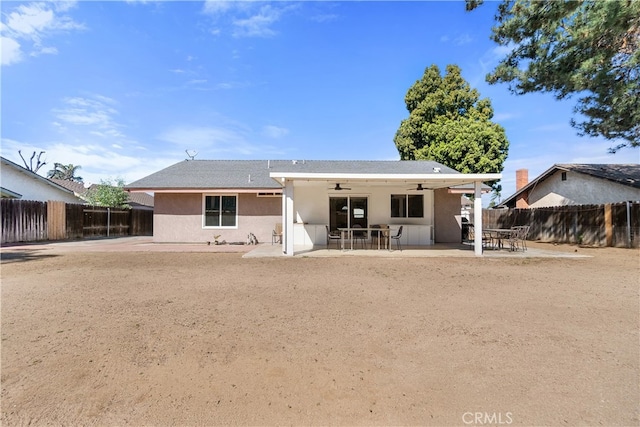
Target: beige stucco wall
x=312, y=203
x=447, y=213
x=178, y=218
x=579, y=189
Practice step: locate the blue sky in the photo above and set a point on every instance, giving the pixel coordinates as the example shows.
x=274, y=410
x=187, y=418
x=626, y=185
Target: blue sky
x=124, y=88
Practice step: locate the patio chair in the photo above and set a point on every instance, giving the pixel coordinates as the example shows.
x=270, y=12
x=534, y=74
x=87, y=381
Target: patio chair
x=359, y=235
x=382, y=235
x=332, y=236
x=379, y=235
x=525, y=234
x=276, y=233
x=487, y=237
x=518, y=237
x=397, y=239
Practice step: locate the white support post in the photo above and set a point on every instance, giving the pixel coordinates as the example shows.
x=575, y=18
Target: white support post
x=287, y=218
x=477, y=218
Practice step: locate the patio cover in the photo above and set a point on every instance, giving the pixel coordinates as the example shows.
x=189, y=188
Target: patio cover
x=432, y=175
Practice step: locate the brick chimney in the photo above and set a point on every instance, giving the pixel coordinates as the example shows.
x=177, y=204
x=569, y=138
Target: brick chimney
x=522, y=179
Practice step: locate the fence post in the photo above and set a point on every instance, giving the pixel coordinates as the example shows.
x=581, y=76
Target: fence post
x=628, y=224
x=108, y=220
x=608, y=225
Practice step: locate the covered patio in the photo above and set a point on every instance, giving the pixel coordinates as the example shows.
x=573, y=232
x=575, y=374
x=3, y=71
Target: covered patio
x=416, y=195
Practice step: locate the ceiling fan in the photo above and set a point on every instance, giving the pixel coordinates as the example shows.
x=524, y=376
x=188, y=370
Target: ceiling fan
x=418, y=188
x=338, y=188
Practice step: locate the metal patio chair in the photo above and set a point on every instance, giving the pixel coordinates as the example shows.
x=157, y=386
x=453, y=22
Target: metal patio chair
x=397, y=239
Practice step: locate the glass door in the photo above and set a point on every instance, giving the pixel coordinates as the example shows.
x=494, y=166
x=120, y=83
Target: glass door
x=358, y=211
x=338, y=213
x=347, y=211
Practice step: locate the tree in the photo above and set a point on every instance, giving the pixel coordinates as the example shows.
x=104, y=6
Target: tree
x=29, y=166
x=64, y=172
x=108, y=193
x=450, y=124
x=583, y=48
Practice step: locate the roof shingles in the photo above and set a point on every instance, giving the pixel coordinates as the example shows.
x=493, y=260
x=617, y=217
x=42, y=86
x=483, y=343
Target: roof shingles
x=254, y=174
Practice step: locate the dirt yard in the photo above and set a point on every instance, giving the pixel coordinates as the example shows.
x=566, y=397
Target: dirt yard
x=159, y=338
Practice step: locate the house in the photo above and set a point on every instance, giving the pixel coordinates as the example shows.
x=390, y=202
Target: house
x=197, y=200
x=20, y=183
x=576, y=184
x=136, y=200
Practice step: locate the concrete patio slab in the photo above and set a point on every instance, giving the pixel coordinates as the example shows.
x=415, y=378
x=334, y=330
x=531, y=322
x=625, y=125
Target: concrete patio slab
x=437, y=250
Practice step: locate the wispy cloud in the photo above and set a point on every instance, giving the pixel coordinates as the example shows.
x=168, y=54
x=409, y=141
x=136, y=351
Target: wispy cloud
x=325, y=17
x=274, y=132
x=91, y=136
x=11, y=52
x=97, y=112
x=258, y=25
x=217, y=141
x=458, y=39
x=492, y=56
x=28, y=26
x=502, y=117
x=244, y=18
x=98, y=161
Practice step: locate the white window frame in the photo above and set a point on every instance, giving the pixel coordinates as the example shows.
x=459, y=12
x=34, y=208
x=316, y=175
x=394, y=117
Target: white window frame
x=218, y=227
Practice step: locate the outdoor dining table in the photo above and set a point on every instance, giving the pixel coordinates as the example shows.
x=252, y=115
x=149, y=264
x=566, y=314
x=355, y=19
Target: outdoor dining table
x=348, y=231
x=500, y=234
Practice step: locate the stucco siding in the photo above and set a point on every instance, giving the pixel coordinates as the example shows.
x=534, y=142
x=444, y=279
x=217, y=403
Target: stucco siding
x=179, y=218
x=579, y=189
x=447, y=211
x=312, y=203
x=32, y=188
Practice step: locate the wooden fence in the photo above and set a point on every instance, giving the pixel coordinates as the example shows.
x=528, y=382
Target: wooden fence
x=615, y=224
x=29, y=221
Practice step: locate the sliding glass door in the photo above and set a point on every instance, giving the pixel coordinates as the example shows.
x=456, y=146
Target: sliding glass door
x=348, y=211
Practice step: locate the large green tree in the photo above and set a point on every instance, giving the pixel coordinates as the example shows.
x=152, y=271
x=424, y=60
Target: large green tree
x=584, y=48
x=109, y=193
x=64, y=172
x=449, y=123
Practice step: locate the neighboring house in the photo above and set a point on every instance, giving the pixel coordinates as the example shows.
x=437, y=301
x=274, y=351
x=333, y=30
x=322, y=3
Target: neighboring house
x=136, y=200
x=20, y=183
x=576, y=184
x=197, y=200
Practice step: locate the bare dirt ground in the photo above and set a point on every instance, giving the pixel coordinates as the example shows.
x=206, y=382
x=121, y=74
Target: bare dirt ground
x=161, y=338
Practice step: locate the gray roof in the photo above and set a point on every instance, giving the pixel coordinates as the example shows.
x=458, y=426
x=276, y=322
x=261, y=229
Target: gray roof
x=624, y=174
x=254, y=174
x=628, y=174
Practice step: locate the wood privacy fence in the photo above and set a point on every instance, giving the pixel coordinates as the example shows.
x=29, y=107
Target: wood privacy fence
x=29, y=221
x=615, y=224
